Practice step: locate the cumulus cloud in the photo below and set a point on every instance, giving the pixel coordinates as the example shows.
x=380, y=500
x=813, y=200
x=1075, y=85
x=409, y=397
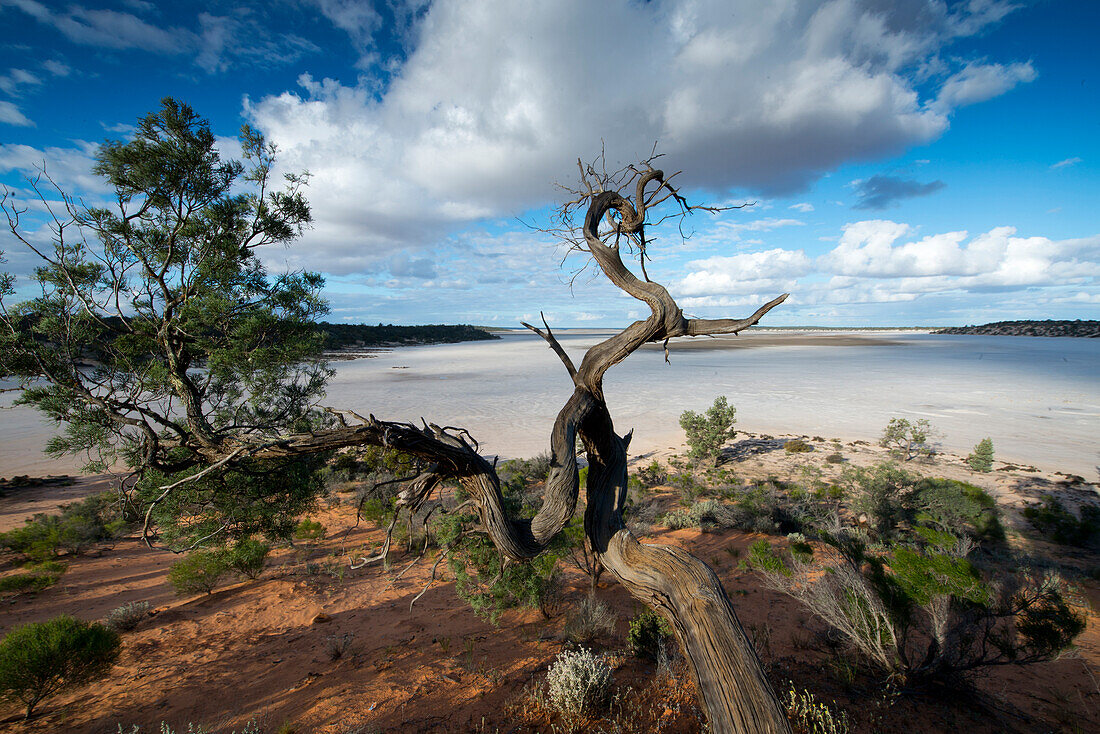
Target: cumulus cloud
x=979, y=82
x=882, y=192
x=880, y=261
x=481, y=117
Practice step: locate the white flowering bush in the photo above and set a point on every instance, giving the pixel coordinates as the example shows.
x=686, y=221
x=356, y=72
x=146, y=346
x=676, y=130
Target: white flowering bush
x=578, y=683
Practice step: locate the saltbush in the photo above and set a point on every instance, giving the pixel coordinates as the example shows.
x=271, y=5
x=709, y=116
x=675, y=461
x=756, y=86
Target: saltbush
x=198, y=573
x=40, y=659
x=797, y=446
x=648, y=633
x=578, y=685
x=126, y=617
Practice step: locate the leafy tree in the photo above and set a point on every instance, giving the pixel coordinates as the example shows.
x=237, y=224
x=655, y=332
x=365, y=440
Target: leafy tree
x=907, y=440
x=40, y=659
x=981, y=458
x=709, y=431
x=157, y=338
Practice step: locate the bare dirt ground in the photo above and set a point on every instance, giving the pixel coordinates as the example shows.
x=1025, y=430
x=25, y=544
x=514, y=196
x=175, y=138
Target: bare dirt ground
x=312, y=646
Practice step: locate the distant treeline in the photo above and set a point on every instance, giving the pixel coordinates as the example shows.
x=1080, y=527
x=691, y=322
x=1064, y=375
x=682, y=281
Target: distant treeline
x=1029, y=328
x=350, y=336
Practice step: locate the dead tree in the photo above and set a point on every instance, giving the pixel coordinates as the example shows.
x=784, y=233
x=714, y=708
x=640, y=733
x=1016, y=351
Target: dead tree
x=613, y=211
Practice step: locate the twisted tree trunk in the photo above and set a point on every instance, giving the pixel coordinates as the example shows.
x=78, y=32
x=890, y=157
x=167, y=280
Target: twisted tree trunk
x=735, y=692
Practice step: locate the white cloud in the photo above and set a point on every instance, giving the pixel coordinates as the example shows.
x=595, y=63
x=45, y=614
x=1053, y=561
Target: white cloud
x=56, y=67
x=481, y=118
x=1067, y=162
x=16, y=78
x=10, y=114
x=750, y=272
x=979, y=82
x=802, y=206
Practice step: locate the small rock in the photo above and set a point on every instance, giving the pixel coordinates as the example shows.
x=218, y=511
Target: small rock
x=321, y=618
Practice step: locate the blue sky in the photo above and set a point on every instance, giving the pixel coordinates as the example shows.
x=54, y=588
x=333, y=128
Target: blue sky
x=911, y=162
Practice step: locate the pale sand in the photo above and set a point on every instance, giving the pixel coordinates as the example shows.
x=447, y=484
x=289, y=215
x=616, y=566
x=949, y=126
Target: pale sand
x=847, y=386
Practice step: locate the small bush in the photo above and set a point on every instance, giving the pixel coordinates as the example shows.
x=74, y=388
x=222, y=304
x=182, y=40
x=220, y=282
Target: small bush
x=126, y=617
x=797, y=446
x=907, y=440
x=810, y=716
x=40, y=659
x=25, y=582
x=578, y=685
x=198, y=573
x=309, y=530
x=835, y=458
x=247, y=557
x=1055, y=521
x=981, y=458
x=709, y=431
x=591, y=620
x=648, y=633
x=706, y=515
x=79, y=525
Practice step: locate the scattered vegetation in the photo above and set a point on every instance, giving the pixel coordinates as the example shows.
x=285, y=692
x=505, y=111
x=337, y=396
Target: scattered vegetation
x=590, y=620
x=74, y=530
x=709, y=431
x=309, y=530
x=40, y=659
x=797, y=446
x=810, y=716
x=1055, y=521
x=127, y=616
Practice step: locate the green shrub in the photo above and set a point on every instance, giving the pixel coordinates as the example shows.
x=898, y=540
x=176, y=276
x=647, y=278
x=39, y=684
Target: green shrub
x=958, y=508
x=40, y=659
x=884, y=493
x=981, y=458
x=78, y=526
x=24, y=582
x=706, y=515
x=648, y=632
x=126, y=617
x=709, y=431
x=198, y=573
x=309, y=530
x=797, y=446
x=907, y=440
x=834, y=458
x=1059, y=524
x=247, y=557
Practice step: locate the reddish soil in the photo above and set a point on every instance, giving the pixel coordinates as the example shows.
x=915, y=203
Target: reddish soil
x=317, y=647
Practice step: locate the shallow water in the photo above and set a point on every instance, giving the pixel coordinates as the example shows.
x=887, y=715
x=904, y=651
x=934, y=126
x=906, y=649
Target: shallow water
x=1037, y=398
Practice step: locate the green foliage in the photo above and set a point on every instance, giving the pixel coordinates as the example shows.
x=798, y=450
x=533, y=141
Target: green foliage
x=490, y=586
x=247, y=557
x=648, y=632
x=309, y=530
x=343, y=336
x=127, y=616
x=198, y=573
x=981, y=458
x=958, y=508
x=1059, y=524
x=706, y=515
x=884, y=492
x=79, y=525
x=797, y=446
x=810, y=716
x=763, y=558
x=709, y=431
x=28, y=582
x=40, y=659
x=191, y=343
x=907, y=440
x=835, y=458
